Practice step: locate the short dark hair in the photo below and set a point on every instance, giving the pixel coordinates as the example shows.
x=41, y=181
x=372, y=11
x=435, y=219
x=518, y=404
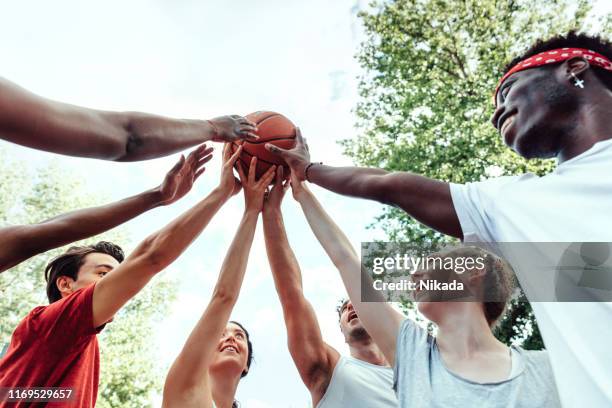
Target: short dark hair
x=572, y=40
x=341, y=303
x=249, y=345
x=69, y=263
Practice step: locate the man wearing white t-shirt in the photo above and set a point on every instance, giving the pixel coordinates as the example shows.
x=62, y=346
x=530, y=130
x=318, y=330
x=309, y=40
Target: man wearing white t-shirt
x=554, y=101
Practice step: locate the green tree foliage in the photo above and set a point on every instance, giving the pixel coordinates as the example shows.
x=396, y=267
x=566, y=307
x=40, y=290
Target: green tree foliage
x=129, y=368
x=430, y=68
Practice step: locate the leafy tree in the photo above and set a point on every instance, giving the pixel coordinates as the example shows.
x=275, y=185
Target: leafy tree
x=430, y=68
x=129, y=368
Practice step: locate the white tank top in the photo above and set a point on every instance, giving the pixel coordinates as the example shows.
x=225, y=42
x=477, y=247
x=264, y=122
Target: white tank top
x=358, y=384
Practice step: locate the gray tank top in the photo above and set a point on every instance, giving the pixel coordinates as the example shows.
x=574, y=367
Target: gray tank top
x=358, y=384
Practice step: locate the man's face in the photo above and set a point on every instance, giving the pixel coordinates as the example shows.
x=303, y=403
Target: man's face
x=536, y=111
x=350, y=325
x=95, y=266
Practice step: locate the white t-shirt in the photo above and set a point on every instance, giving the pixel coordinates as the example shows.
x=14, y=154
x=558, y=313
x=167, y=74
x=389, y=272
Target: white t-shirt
x=359, y=384
x=571, y=204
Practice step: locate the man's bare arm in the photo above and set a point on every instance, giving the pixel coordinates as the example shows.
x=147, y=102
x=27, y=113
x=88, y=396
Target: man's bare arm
x=379, y=318
x=160, y=249
x=18, y=243
x=427, y=200
x=314, y=359
x=39, y=123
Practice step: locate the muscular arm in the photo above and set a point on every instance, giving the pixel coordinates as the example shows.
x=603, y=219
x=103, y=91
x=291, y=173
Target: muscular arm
x=187, y=381
x=380, y=320
x=151, y=256
x=314, y=359
x=39, y=123
x=428, y=201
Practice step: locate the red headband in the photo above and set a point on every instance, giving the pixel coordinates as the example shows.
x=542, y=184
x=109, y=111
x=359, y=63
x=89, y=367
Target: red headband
x=555, y=56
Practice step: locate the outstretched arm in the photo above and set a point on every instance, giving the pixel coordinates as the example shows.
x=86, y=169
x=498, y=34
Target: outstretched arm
x=18, y=243
x=39, y=123
x=160, y=249
x=380, y=320
x=314, y=359
x=427, y=200
x=187, y=383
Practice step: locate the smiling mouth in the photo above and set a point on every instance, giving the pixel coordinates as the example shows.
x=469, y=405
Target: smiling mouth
x=231, y=349
x=351, y=316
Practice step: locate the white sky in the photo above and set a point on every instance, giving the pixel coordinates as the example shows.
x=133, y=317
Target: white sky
x=201, y=59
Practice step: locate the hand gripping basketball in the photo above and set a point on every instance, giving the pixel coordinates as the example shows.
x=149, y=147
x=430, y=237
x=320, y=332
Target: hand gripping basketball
x=296, y=158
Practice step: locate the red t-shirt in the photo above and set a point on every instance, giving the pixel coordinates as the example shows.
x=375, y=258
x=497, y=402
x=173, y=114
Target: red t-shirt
x=56, y=346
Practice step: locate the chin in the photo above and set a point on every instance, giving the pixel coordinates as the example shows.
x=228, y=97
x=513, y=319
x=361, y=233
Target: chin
x=536, y=143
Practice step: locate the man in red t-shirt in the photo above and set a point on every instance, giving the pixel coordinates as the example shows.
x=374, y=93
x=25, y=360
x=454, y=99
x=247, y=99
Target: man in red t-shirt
x=56, y=345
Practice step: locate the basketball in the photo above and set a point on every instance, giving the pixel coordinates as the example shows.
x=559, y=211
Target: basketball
x=272, y=128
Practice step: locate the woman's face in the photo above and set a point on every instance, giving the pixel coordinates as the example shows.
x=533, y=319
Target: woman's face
x=232, y=351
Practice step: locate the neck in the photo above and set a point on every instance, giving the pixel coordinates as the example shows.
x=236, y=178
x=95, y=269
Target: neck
x=366, y=350
x=463, y=331
x=224, y=386
x=593, y=125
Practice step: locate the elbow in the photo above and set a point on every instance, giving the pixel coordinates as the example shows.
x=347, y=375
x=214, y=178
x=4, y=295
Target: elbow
x=152, y=253
x=224, y=296
x=127, y=141
x=379, y=188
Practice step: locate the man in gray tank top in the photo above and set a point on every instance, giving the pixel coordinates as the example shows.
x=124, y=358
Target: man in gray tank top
x=362, y=380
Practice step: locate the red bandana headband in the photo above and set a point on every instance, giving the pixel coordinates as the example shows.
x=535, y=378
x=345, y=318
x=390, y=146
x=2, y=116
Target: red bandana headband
x=554, y=56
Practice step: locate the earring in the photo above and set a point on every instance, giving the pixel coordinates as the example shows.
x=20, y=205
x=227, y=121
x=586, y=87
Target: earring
x=578, y=83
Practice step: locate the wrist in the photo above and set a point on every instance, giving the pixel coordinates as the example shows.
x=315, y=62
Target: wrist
x=211, y=129
x=154, y=197
x=308, y=169
x=251, y=212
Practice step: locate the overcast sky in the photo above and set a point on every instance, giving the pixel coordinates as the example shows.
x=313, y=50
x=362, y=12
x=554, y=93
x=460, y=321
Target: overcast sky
x=200, y=59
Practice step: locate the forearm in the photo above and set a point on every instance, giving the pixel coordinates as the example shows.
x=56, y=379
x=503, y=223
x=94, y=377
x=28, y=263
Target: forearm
x=332, y=239
x=162, y=248
x=284, y=265
x=150, y=136
x=30, y=240
x=350, y=181
x=427, y=200
x=234, y=265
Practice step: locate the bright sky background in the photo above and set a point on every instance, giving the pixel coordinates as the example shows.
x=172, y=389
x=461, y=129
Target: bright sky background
x=200, y=59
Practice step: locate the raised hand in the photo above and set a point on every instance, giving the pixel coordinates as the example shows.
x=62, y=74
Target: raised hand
x=232, y=128
x=228, y=183
x=274, y=197
x=297, y=158
x=254, y=190
x=185, y=172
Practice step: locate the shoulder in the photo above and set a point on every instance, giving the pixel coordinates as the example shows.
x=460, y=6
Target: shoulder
x=411, y=332
x=536, y=361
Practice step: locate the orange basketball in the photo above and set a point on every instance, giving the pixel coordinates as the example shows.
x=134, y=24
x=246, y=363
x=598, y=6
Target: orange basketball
x=272, y=128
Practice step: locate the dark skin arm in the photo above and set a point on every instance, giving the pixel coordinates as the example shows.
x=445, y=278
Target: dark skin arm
x=39, y=123
x=18, y=243
x=427, y=200
x=314, y=359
